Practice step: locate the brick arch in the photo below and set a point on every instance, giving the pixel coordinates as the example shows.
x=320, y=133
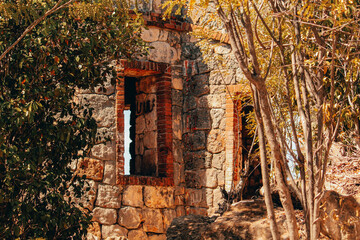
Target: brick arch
x=164, y=121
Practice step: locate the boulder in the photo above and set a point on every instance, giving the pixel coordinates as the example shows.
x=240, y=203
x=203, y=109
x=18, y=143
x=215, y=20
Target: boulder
x=339, y=216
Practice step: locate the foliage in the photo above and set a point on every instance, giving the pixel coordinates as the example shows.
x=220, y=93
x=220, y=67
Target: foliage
x=42, y=128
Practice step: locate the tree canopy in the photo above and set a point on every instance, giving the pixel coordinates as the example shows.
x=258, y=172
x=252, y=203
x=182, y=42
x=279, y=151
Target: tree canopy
x=49, y=50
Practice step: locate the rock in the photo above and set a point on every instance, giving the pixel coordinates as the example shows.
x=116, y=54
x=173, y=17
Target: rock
x=137, y=235
x=108, y=196
x=113, y=231
x=339, y=216
x=104, y=215
x=150, y=34
x=110, y=172
x=216, y=142
x=159, y=197
x=153, y=221
x=92, y=168
x=130, y=217
x=104, y=151
x=133, y=196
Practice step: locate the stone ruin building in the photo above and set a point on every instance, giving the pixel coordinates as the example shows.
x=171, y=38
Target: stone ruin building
x=183, y=135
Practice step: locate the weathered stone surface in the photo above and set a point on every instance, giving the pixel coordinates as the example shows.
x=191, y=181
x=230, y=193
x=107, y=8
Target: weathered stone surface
x=339, y=216
x=104, y=215
x=109, y=196
x=177, y=98
x=210, y=179
x=198, y=119
x=137, y=235
x=106, y=132
x=195, y=198
x=150, y=34
x=157, y=237
x=179, y=176
x=195, y=179
x=104, y=151
x=216, y=142
x=189, y=103
x=159, y=197
x=130, y=217
x=150, y=139
x=216, y=116
x=220, y=177
x=198, y=85
x=113, y=231
x=195, y=160
x=89, y=197
x=177, y=122
x=150, y=121
x=190, y=51
x=92, y=168
x=94, y=231
x=110, y=172
x=140, y=124
x=133, y=196
x=164, y=34
x=216, y=100
x=177, y=83
x=161, y=52
x=153, y=221
x=194, y=141
x=104, y=108
x=169, y=215
x=218, y=160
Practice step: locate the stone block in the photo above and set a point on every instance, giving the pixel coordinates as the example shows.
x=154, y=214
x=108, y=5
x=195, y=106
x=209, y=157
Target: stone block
x=94, y=231
x=195, y=198
x=150, y=139
x=216, y=100
x=104, y=151
x=159, y=197
x=194, y=141
x=92, y=168
x=177, y=122
x=140, y=124
x=110, y=172
x=130, y=217
x=209, y=197
x=180, y=211
x=113, y=231
x=177, y=98
x=217, y=115
x=218, y=160
x=153, y=221
x=199, y=85
x=157, y=237
x=133, y=196
x=104, y=108
x=189, y=103
x=150, y=121
x=109, y=196
x=105, y=216
x=198, y=119
x=195, y=179
x=161, y=52
x=215, y=142
x=210, y=178
x=222, y=49
x=106, y=132
x=179, y=174
x=137, y=235
x=194, y=160
x=150, y=34
x=88, y=198
x=221, y=177
x=177, y=83
x=164, y=34
x=169, y=215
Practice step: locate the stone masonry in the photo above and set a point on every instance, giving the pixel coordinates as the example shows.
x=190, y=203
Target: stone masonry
x=185, y=136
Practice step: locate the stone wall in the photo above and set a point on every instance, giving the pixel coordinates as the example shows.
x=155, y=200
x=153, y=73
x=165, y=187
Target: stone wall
x=142, y=207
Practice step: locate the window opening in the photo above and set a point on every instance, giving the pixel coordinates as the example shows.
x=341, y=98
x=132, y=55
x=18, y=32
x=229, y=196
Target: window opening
x=140, y=148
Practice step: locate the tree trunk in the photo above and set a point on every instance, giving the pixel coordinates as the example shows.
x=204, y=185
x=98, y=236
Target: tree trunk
x=264, y=169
